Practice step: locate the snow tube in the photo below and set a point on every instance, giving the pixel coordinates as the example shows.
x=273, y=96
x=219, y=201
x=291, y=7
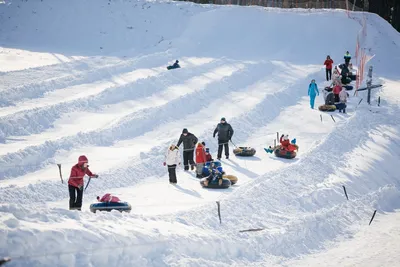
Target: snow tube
x=348, y=87
x=231, y=178
x=244, y=151
x=172, y=67
x=109, y=206
x=328, y=89
x=214, y=184
x=327, y=108
x=283, y=153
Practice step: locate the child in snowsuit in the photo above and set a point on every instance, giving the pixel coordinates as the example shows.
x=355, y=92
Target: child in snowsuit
x=208, y=156
x=214, y=174
x=172, y=159
x=285, y=143
x=343, y=100
x=312, y=92
x=336, y=91
x=200, y=159
x=108, y=198
x=328, y=68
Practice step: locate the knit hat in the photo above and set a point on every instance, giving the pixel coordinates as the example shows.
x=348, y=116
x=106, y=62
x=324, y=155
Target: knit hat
x=185, y=130
x=203, y=143
x=286, y=137
x=223, y=119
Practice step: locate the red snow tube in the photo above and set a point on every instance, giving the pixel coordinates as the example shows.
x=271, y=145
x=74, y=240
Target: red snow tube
x=284, y=153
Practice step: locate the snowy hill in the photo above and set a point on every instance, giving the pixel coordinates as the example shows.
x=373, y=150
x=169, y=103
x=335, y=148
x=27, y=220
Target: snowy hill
x=89, y=78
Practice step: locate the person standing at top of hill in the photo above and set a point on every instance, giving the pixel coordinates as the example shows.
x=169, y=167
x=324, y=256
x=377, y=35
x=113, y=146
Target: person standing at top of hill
x=189, y=141
x=347, y=58
x=328, y=68
x=225, y=133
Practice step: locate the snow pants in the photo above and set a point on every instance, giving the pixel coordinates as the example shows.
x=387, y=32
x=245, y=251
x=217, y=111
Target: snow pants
x=223, y=144
x=75, y=197
x=312, y=101
x=172, y=173
x=199, y=169
x=188, y=158
x=328, y=74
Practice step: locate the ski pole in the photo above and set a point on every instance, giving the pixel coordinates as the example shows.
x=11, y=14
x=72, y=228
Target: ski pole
x=59, y=168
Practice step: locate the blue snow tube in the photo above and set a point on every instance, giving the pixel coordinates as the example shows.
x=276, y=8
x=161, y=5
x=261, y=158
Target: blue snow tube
x=348, y=87
x=109, y=206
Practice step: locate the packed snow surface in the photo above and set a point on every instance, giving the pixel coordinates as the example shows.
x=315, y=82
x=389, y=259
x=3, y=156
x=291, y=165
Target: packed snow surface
x=89, y=78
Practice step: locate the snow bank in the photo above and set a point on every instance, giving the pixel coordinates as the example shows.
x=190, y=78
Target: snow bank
x=110, y=97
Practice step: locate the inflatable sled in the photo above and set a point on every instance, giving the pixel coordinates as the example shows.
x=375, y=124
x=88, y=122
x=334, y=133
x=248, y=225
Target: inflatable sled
x=244, y=151
x=328, y=89
x=214, y=184
x=348, y=87
x=109, y=206
x=283, y=153
x=231, y=178
x=327, y=108
x=172, y=67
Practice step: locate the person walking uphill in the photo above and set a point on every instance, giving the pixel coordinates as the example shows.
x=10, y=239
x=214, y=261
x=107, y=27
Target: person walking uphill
x=225, y=133
x=328, y=68
x=172, y=159
x=75, y=182
x=189, y=141
x=312, y=92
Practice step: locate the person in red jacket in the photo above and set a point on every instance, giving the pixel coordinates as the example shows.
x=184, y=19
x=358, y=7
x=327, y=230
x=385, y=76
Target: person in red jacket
x=75, y=182
x=336, y=91
x=200, y=159
x=328, y=68
x=208, y=155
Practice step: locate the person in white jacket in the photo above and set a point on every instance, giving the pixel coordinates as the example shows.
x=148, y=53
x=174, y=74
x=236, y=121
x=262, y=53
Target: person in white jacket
x=172, y=159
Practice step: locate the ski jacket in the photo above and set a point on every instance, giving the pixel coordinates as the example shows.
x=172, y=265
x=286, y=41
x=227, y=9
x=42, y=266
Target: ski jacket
x=208, y=157
x=224, y=130
x=78, y=172
x=189, y=141
x=172, y=157
x=109, y=198
x=343, y=95
x=337, y=89
x=328, y=63
x=313, y=89
x=200, y=153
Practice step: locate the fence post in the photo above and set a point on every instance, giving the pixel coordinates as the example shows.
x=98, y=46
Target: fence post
x=369, y=83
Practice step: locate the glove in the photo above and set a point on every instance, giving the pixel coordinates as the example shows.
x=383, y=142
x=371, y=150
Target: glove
x=96, y=176
x=282, y=135
x=164, y=163
x=80, y=187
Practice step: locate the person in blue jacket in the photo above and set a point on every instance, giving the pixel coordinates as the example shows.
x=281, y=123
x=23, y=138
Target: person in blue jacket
x=312, y=92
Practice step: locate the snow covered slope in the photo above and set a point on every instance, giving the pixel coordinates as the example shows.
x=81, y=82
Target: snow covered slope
x=89, y=77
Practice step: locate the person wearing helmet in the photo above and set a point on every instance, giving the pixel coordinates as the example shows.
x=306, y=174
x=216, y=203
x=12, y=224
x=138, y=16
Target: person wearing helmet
x=75, y=182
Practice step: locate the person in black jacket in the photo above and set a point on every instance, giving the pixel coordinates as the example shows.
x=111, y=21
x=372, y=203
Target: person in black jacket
x=189, y=141
x=225, y=133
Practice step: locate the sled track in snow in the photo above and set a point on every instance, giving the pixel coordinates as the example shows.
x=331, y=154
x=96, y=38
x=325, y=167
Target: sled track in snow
x=143, y=166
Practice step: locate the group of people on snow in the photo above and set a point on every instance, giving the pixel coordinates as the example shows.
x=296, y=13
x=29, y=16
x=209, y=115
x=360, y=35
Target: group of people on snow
x=189, y=141
x=335, y=94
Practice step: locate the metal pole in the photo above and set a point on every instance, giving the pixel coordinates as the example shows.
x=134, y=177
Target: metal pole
x=369, y=83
